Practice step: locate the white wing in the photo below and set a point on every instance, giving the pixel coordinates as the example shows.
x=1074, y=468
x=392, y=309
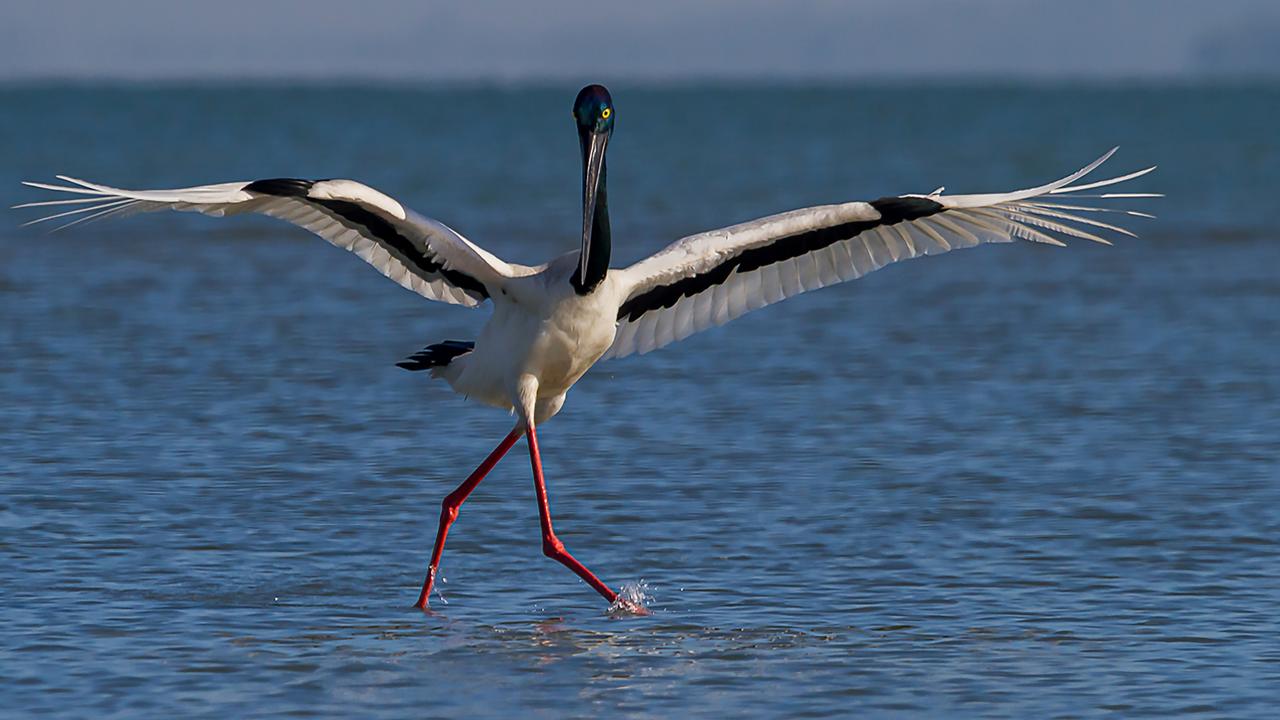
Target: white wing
x=711, y=278
x=424, y=255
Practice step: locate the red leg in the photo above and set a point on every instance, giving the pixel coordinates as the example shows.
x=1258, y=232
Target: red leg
x=551, y=545
x=449, y=509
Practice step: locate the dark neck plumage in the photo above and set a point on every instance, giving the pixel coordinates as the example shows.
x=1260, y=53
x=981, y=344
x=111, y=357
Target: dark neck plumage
x=598, y=257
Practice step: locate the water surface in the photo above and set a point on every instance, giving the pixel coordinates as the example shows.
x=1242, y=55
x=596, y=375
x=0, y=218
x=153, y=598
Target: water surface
x=1017, y=481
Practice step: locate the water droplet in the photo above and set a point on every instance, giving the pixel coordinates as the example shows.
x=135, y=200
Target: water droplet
x=633, y=599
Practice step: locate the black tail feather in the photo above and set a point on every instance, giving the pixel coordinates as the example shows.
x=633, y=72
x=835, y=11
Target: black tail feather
x=438, y=355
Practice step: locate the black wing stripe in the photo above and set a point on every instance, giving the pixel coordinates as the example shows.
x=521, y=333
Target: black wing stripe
x=438, y=355
x=387, y=234
x=893, y=210
x=378, y=227
x=283, y=187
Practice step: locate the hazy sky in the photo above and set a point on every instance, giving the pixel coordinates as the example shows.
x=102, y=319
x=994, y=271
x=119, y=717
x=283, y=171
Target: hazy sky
x=644, y=39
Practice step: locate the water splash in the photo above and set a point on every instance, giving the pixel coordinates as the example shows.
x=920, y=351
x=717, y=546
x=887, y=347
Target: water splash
x=633, y=600
x=440, y=594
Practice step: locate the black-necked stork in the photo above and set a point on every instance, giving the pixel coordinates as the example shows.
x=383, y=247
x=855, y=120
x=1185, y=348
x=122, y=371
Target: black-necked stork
x=552, y=322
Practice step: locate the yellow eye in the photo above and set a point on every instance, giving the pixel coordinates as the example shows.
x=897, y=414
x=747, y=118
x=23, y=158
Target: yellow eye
x=605, y=113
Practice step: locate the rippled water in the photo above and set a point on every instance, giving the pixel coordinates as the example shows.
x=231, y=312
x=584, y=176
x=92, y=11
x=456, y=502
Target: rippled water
x=1016, y=481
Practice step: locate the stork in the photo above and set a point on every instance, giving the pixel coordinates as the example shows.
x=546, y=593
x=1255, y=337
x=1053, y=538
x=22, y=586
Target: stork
x=552, y=322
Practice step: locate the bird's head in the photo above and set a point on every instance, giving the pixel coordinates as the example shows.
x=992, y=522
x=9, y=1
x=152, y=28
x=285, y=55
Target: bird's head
x=593, y=111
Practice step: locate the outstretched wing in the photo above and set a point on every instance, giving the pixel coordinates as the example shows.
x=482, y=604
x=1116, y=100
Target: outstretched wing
x=424, y=255
x=711, y=278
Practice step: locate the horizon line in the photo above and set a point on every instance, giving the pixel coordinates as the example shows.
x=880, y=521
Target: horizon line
x=532, y=82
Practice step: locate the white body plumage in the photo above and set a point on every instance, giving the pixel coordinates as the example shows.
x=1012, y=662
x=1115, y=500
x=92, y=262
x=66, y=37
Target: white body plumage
x=541, y=339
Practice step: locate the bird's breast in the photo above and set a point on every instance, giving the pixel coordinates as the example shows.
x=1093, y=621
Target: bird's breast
x=571, y=338
x=562, y=333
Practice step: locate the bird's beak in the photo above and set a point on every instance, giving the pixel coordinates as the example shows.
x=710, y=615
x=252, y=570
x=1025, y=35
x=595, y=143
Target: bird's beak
x=593, y=166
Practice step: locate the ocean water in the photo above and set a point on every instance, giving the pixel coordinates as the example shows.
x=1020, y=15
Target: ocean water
x=1016, y=481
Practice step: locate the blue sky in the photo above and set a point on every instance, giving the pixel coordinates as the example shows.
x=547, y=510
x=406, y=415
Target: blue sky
x=656, y=39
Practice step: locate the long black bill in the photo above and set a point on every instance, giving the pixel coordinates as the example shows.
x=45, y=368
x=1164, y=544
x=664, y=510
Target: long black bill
x=592, y=170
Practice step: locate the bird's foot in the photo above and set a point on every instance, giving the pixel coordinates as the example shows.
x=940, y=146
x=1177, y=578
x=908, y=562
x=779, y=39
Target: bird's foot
x=626, y=608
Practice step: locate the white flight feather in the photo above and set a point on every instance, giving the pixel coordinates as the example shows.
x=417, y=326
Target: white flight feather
x=965, y=221
x=435, y=240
